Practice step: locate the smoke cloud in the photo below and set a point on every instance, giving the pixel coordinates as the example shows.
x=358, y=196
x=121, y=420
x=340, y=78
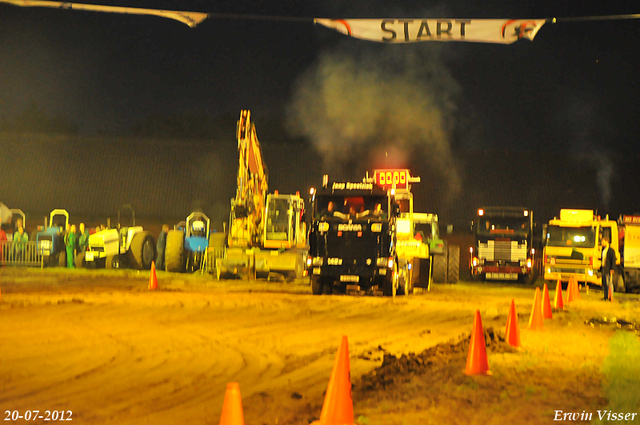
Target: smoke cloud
x=603, y=164
x=366, y=107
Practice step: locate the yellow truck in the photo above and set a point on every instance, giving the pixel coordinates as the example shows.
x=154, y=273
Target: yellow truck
x=629, y=241
x=573, y=247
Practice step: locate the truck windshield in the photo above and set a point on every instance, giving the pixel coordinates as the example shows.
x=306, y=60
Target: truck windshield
x=429, y=230
x=351, y=207
x=582, y=237
x=503, y=226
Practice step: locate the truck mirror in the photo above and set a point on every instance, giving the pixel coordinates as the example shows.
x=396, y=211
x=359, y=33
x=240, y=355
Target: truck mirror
x=544, y=234
x=449, y=229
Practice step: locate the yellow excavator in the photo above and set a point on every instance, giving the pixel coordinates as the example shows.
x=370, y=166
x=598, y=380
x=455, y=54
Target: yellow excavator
x=267, y=232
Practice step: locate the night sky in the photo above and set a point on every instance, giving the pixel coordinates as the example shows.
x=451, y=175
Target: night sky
x=565, y=105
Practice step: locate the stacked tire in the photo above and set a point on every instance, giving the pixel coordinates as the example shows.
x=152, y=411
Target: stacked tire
x=174, y=258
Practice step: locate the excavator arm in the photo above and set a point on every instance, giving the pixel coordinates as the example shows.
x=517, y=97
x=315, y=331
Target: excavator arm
x=247, y=208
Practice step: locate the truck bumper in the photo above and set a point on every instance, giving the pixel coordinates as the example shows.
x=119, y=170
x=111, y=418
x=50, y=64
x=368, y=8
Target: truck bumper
x=507, y=272
x=364, y=277
x=564, y=273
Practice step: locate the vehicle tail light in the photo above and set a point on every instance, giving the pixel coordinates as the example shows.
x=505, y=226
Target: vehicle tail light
x=340, y=233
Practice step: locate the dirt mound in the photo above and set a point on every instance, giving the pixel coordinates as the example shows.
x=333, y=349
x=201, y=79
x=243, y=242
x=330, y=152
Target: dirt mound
x=399, y=370
x=627, y=325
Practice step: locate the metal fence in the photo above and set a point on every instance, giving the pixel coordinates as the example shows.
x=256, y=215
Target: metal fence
x=212, y=255
x=20, y=254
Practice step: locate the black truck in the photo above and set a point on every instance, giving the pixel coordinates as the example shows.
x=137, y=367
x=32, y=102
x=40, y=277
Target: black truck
x=352, y=239
x=504, y=245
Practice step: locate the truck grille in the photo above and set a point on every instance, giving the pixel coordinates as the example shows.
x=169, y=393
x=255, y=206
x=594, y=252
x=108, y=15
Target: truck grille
x=502, y=251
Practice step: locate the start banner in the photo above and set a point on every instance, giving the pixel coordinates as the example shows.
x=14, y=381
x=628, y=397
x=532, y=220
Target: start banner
x=502, y=31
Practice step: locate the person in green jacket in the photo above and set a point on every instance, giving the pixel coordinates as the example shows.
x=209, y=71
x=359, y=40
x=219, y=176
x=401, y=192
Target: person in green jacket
x=70, y=242
x=20, y=239
x=83, y=238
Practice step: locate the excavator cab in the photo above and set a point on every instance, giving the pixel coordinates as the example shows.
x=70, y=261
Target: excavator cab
x=284, y=225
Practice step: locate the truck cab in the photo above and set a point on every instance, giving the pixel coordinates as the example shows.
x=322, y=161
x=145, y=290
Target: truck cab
x=503, y=247
x=573, y=246
x=352, y=239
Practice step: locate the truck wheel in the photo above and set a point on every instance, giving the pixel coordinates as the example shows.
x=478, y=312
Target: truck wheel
x=316, y=285
x=403, y=286
x=439, y=269
x=453, y=265
x=112, y=262
x=142, y=251
x=403, y=281
x=531, y=278
x=390, y=285
x=390, y=288
x=174, y=252
x=327, y=286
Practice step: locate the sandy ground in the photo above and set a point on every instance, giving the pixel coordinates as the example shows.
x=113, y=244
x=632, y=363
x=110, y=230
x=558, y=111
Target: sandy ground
x=99, y=344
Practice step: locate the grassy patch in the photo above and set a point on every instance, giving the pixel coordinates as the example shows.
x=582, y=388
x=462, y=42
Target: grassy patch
x=622, y=370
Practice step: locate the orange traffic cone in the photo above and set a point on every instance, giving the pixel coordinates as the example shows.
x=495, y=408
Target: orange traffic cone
x=153, y=280
x=576, y=288
x=477, y=363
x=546, y=304
x=570, y=296
x=536, y=320
x=513, y=332
x=232, y=406
x=558, y=304
x=338, y=406
x=610, y=292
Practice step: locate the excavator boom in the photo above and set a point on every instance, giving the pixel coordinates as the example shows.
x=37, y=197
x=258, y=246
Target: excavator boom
x=247, y=208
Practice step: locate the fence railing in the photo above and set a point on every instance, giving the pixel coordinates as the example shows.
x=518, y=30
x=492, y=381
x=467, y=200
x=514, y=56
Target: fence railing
x=212, y=255
x=20, y=254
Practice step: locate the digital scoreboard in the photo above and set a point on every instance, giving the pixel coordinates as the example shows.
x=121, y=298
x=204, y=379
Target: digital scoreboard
x=392, y=178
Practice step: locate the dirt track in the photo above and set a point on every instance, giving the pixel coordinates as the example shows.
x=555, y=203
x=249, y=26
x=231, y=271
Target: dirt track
x=101, y=345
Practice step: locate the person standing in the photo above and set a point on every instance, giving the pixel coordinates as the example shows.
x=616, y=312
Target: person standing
x=3, y=242
x=83, y=238
x=20, y=239
x=70, y=242
x=607, y=266
x=160, y=247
